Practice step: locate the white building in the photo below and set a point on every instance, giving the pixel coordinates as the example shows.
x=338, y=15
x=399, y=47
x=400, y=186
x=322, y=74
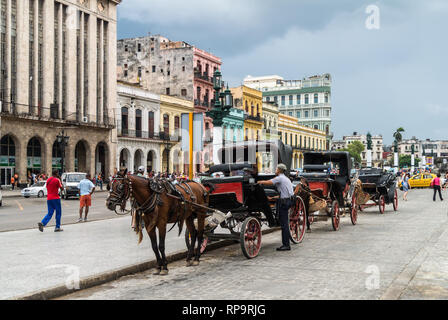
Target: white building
x=377, y=147
x=309, y=99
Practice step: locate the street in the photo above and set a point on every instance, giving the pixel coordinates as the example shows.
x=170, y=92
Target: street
x=391, y=256
x=22, y=213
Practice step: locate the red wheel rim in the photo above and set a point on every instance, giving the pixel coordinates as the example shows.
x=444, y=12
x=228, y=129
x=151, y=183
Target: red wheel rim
x=354, y=215
x=336, y=215
x=382, y=204
x=297, y=221
x=395, y=200
x=252, y=238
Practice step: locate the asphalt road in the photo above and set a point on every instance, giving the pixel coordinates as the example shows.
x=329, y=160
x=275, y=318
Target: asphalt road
x=385, y=256
x=22, y=213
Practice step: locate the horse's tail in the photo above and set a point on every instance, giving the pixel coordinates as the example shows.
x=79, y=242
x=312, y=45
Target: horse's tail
x=140, y=235
x=180, y=223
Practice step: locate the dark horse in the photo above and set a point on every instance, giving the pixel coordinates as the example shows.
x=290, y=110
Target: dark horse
x=157, y=202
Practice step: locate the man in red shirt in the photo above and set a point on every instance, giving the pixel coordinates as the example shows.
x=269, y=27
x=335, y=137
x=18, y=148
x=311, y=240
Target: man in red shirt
x=53, y=202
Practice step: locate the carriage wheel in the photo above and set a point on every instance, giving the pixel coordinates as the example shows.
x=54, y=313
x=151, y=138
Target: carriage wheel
x=250, y=237
x=395, y=203
x=354, y=211
x=188, y=241
x=382, y=204
x=335, y=218
x=297, y=221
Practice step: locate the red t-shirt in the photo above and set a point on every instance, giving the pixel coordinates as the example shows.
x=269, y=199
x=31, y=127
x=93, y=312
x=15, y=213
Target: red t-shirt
x=53, y=185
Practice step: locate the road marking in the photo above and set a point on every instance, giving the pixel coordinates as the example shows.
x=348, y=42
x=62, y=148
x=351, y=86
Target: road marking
x=20, y=206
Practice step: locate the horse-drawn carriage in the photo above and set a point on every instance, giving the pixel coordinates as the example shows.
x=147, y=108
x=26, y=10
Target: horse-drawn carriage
x=326, y=175
x=248, y=204
x=378, y=189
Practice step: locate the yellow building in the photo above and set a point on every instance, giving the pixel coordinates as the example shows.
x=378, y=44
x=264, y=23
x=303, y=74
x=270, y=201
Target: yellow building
x=300, y=138
x=251, y=101
x=171, y=109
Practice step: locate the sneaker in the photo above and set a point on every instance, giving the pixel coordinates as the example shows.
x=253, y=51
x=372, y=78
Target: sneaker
x=80, y=220
x=85, y=219
x=58, y=229
x=40, y=226
x=284, y=248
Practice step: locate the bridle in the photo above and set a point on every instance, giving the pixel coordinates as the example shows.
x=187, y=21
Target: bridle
x=121, y=194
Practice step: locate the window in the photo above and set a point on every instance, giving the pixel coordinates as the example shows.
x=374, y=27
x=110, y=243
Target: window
x=183, y=92
x=176, y=126
x=125, y=73
x=151, y=124
x=298, y=114
x=125, y=48
x=298, y=99
x=316, y=127
x=306, y=114
x=306, y=99
x=167, y=91
x=290, y=100
x=139, y=47
x=138, y=123
x=328, y=113
x=283, y=100
x=153, y=68
x=124, y=121
x=326, y=98
x=316, y=113
x=316, y=98
x=268, y=99
x=183, y=68
x=168, y=62
x=275, y=99
x=166, y=124
x=183, y=58
x=161, y=70
x=169, y=72
x=139, y=72
x=290, y=113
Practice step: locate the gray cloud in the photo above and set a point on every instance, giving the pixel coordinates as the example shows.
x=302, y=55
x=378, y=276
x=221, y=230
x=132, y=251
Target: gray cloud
x=383, y=79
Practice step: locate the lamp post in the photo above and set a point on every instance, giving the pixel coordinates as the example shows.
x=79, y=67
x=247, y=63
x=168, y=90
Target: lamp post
x=220, y=110
x=167, y=143
x=412, y=157
x=62, y=139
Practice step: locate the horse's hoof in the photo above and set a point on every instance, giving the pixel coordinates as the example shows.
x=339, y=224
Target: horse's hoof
x=163, y=272
x=189, y=263
x=195, y=263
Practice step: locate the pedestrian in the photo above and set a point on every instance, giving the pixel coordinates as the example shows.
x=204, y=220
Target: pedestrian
x=406, y=186
x=12, y=183
x=16, y=180
x=435, y=183
x=53, y=202
x=86, y=189
x=285, y=189
x=445, y=183
x=99, y=181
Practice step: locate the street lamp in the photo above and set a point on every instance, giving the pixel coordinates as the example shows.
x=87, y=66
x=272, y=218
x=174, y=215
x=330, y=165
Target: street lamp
x=62, y=139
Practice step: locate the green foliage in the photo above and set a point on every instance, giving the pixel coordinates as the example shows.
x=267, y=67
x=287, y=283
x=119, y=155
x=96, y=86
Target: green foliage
x=405, y=161
x=355, y=148
x=397, y=134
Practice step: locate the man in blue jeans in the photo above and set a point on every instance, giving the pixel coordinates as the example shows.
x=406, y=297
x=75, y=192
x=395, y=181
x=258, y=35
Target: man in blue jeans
x=53, y=202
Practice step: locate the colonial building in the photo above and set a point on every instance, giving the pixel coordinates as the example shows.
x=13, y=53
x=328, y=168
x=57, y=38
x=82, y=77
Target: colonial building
x=233, y=126
x=251, y=101
x=377, y=147
x=309, y=99
x=270, y=121
x=300, y=138
x=405, y=147
x=138, y=129
x=58, y=73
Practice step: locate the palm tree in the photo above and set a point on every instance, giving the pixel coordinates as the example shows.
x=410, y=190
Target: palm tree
x=398, y=137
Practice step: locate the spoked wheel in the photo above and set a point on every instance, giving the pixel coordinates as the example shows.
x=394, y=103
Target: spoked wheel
x=188, y=241
x=382, y=204
x=395, y=203
x=297, y=221
x=354, y=211
x=335, y=218
x=250, y=237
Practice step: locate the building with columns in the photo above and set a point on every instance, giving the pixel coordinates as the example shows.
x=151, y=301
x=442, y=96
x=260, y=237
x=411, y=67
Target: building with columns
x=251, y=101
x=270, y=121
x=58, y=73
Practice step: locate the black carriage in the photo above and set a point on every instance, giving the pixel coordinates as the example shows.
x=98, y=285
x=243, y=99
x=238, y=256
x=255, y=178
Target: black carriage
x=248, y=205
x=378, y=189
x=328, y=178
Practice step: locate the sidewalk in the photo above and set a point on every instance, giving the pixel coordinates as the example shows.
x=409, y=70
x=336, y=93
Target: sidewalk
x=17, y=193
x=32, y=261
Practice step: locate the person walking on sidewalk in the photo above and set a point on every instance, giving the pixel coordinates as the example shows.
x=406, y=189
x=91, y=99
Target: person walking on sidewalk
x=406, y=186
x=435, y=183
x=86, y=189
x=53, y=202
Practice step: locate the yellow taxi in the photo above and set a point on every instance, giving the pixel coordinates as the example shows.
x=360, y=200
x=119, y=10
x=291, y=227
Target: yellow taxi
x=421, y=180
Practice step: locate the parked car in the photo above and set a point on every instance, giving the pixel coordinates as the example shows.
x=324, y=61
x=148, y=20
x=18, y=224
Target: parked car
x=39, y=189
x=70, y=181
x=421, y=180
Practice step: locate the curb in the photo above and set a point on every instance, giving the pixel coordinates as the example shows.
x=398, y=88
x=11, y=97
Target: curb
x=6, y=196
x=108, y=276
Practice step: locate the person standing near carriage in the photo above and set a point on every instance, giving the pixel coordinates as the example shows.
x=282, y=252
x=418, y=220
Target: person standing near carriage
x=285, y=188
x=406, y=186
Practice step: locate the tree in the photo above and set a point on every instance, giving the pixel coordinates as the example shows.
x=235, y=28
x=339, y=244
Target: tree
x=405, y=161
x=398, y=137
x=355, y=148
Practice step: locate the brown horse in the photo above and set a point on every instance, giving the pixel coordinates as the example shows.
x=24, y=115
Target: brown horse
x=157, y=203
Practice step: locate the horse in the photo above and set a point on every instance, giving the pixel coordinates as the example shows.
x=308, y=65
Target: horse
x=157, y=202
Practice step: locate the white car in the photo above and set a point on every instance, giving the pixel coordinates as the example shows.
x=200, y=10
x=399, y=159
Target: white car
x=39, y=189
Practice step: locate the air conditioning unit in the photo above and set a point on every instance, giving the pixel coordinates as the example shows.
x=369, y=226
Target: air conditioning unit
x=85, y=119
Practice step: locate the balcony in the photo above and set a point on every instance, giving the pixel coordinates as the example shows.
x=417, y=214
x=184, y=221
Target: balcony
x=250, y=117
x=52, y=114
x=199, y=103
x=203, y=76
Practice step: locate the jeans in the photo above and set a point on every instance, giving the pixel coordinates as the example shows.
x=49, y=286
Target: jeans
x=52, y=206
x=437, y=188
x=283, y=216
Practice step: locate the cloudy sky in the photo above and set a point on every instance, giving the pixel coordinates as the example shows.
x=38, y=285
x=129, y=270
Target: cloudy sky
x=382, y=78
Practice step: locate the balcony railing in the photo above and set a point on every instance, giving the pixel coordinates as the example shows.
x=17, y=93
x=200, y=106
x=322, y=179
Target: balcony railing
x=53, y=114
x=199, y=103
x=250, y=117
x=203, y=76
x=127, y=133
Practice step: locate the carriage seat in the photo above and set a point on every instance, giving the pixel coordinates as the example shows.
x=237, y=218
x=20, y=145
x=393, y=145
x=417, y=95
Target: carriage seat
x=318, y=192
x=315, y=168
x=271, y=192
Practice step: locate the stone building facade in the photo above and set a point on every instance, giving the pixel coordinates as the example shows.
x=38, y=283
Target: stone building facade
x=59, y=66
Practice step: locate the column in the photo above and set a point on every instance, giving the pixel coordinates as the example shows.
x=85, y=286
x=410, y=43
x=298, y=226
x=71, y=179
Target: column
x=21, y=160
x=71, y=63
x=92, y=69
x=7, y=58
x=60, y=46
x=46, y=156
x=48, y=55
x=22, y=56
x=35, y=75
